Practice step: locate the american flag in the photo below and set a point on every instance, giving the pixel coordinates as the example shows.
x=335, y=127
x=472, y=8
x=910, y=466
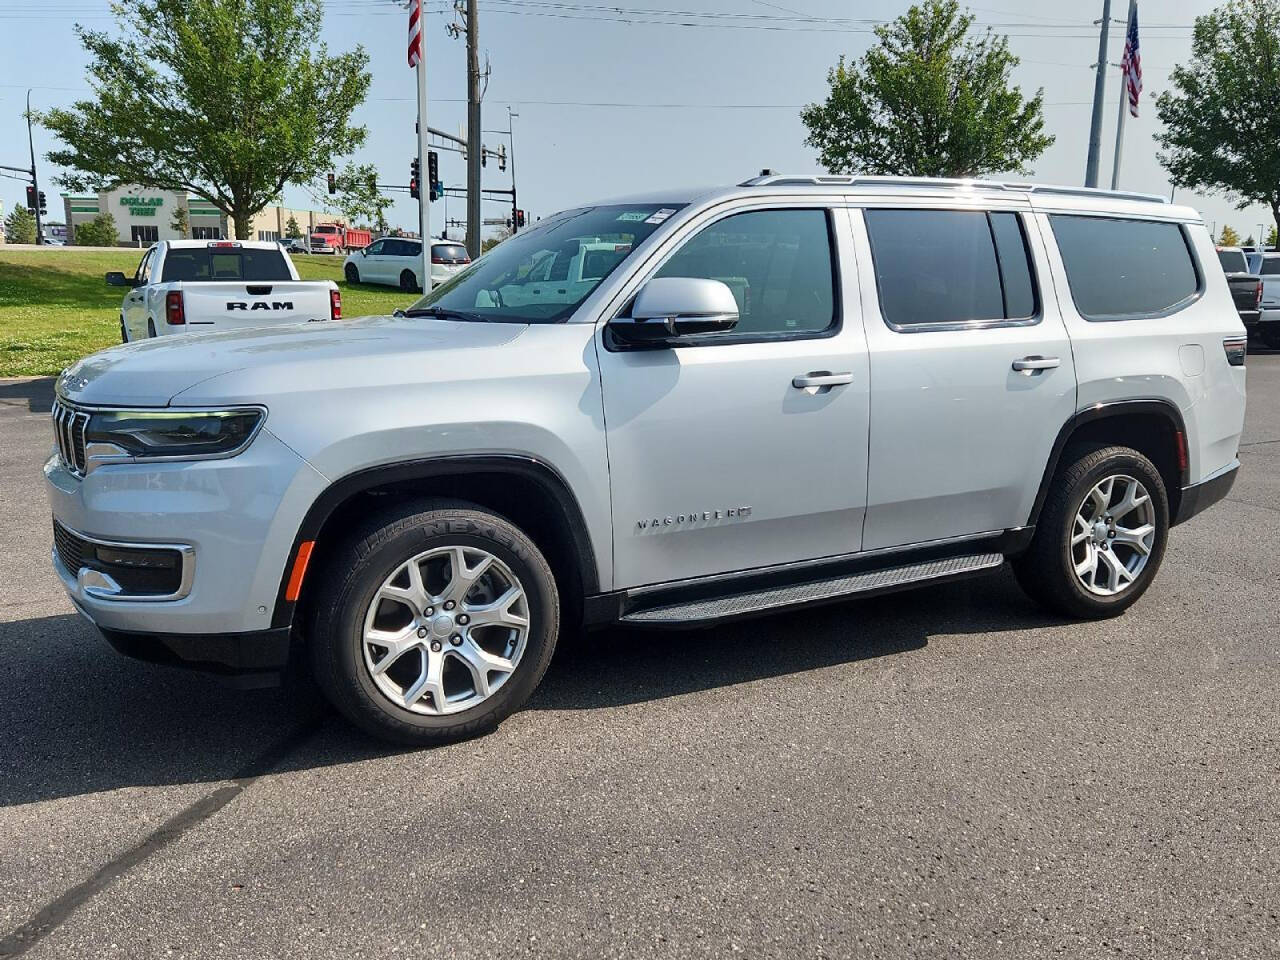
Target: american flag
x=415, y=32
x=1131, y=65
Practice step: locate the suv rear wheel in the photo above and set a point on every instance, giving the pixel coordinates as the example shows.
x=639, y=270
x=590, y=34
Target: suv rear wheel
x=434, y=622
x=1101, y=534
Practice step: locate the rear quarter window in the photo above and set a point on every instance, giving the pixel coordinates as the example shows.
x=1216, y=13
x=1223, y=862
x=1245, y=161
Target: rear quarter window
x=1122, y=269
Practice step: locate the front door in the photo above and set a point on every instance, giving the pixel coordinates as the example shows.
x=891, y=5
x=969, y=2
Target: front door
x=373, y=266
x=971, y=370
x=135, y=301
x=721, y=457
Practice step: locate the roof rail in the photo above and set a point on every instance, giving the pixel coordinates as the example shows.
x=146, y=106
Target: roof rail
x=933, y=183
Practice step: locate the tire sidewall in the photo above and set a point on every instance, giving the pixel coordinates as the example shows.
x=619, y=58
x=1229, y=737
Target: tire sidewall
x=367, y=574
x=1118, y=464
x=352, y=273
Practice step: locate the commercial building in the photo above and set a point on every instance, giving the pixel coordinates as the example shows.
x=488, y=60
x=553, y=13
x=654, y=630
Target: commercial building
x=144, y=215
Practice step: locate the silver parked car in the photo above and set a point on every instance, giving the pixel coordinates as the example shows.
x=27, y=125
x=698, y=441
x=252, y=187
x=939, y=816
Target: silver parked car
x=668, y=411
x=397, y=262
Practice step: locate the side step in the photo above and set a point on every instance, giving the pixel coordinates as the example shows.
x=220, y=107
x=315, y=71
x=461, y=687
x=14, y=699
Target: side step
x=885, y=580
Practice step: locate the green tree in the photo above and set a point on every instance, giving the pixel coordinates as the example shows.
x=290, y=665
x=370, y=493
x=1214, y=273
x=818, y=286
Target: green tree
x=292, y=231
x=1249, y=241
x=181, y=222
x=20, y=226
x=928, y=100
x=229, y=100
x=358, y=196
x=1228, y=237
x=1271, y=237
x=98, y=232
x=1219, y=115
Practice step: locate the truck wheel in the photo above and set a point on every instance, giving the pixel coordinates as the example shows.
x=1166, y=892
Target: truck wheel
x=432, y=622
x=124, y=331
x=408, y=282
x=1101, y=534
x=352, y=274
x=151, y=328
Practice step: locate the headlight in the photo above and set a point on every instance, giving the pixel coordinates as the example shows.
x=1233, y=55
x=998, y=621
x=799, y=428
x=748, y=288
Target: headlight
x=171, y=434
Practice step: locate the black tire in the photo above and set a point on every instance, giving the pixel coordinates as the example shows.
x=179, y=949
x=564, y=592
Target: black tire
x=355, y=570
x=124, y=333
x=151, y=328
x=1046, y=571
x=352, y=274
x=408, y=282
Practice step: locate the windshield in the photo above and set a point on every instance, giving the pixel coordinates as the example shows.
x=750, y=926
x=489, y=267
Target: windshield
x=542, y=274
x=1233, y=261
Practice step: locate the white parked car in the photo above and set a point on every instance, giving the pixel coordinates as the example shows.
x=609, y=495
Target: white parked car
x=397, y=262
x=203, y=285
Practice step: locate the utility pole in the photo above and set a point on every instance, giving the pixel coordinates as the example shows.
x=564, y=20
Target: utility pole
x=474, y=148
x=35, y=184
x=511, y=158
x=424, y=139
x=1099, y=94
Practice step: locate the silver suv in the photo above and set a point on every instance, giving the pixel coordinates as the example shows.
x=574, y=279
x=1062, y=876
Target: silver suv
x=667, y=411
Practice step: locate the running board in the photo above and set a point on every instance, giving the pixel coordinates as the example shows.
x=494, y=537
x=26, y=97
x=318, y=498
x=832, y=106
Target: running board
x=885, y=580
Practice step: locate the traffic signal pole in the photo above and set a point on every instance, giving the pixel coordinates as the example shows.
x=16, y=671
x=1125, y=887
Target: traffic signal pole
x=35, y=184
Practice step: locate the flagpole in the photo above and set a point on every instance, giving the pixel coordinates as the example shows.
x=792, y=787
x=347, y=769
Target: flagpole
x=424, y=137
x=1124, y=102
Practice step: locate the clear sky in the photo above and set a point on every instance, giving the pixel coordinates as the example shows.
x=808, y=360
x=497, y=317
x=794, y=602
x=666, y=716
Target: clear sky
x=621, y=96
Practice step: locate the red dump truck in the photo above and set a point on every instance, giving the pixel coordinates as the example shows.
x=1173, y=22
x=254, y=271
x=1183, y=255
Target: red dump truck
x=337, y=238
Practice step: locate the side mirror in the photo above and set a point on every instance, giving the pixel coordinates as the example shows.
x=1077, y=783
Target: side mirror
x=117, y=279
x=669, y=308
x=364, y=251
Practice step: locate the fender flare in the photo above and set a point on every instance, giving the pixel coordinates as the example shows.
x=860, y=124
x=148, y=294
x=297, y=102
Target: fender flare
x=1157, y=406
x=342, y=489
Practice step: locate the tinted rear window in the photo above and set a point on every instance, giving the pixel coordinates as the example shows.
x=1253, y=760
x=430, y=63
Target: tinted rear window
x=450, y=252
x=1125, y=269
x=1270, y=266
x=950, y=266
x=225, y=264
x=1233, y=261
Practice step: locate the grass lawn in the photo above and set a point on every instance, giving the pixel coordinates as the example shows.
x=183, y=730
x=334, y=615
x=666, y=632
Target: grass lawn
x=55, y=307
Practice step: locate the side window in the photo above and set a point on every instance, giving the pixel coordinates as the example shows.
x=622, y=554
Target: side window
x=144, y=267
x=778, y=263
x=376, y=248
x=1125, y=269
x=951, y=266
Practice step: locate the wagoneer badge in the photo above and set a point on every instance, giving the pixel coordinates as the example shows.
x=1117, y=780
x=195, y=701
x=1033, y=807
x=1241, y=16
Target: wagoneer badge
x=703, y=516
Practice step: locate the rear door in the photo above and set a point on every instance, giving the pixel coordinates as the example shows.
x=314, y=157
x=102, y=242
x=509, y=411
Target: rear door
x=972, y=374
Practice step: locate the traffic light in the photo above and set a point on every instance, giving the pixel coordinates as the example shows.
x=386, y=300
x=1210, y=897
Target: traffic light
x=333, y=185
x=484, y=155
x=435, y=189
x=415, y=177
x=502, y=157
x=43, y=208
x=519, y=219
x=31, y=198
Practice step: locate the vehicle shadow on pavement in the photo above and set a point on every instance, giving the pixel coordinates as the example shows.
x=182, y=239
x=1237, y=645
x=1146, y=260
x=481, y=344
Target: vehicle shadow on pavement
x=80, y=719
x=37, y=394
x=617, y=666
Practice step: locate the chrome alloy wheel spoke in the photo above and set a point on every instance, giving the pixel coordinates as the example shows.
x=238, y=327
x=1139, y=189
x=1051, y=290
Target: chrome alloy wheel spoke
x=445, y=630
x=1112, y=535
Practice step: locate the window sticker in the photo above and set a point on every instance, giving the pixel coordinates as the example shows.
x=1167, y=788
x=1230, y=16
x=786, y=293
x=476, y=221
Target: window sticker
x=634, y=216
x=661, y=215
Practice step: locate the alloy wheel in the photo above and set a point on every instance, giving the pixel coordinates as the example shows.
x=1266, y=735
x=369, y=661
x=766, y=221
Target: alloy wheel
x=1113, y=534
x=446, y=630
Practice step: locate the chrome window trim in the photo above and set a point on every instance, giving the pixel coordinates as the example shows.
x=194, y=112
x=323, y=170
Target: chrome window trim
x=99, y=586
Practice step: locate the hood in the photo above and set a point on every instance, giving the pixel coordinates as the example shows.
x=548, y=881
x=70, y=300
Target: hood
x=155, y=373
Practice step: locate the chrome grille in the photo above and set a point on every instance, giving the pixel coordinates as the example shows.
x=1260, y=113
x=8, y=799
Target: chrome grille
x=68, y=431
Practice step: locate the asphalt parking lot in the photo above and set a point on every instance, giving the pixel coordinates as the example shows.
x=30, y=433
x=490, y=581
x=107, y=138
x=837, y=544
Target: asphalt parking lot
x=945, y=773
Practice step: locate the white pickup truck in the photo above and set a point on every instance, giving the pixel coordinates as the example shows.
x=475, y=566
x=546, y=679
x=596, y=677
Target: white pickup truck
x=201, y=285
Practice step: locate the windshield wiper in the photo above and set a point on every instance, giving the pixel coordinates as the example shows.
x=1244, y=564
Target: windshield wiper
x=443, y=313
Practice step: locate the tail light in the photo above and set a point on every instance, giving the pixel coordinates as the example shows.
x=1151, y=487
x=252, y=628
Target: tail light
x=1237, y=348
x=335, y=305
x=174, y=313
x=1257, y=300
x=435, y=259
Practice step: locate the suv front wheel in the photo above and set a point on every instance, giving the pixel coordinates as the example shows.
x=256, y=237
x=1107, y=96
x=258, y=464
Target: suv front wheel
x=1101, y=534
x=434, y=622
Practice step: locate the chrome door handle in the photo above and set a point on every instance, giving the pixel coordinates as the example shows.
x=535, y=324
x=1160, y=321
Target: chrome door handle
x=1030, y=365
x=820, y=378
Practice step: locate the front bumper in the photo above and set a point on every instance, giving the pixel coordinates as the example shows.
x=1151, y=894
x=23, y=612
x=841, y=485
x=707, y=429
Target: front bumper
x=245, y=660
x=237, y=517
